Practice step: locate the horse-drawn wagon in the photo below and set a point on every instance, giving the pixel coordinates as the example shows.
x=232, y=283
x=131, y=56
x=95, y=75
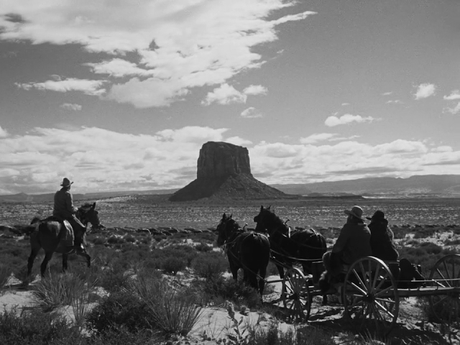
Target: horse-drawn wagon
x=370, y=292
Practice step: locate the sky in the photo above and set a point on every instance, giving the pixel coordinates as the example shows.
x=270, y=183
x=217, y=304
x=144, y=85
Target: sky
x=121, y=95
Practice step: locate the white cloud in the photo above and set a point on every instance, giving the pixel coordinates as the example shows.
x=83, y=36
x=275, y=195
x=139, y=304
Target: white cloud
x=388, y=93
x=282, y=163
x=454, y=110
x=332, y=121
x=3, y=133
x=255, y=90
x=179, y=45
x=119, y=68
x=394, y=101
x=251, y=113
x=225, y=94
x=454, y=95
x=424, y=91
x=89, y=87
x=37, y=161
x=314, y=138
x=71, y=106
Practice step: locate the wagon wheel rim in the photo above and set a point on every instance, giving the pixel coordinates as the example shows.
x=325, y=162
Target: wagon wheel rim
x=296, y=295
x=446, y=273
x=370, y=296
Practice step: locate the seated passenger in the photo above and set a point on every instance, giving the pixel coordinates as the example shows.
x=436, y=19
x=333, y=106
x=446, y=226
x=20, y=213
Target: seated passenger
x=382, y=238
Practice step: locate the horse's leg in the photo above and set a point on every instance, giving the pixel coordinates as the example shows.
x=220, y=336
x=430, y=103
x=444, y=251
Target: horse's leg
x=48, y=256
x=64, y=261
x=262, y=273
x=233, y=268
x=280, y=271
x=30, y=260
x=86, y=256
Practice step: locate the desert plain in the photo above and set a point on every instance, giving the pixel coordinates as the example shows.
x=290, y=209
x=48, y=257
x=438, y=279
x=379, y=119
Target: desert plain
x=416, y=222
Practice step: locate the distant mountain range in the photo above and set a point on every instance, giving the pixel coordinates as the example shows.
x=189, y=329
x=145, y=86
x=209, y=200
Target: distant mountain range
x=414, y=186
x=385, y=187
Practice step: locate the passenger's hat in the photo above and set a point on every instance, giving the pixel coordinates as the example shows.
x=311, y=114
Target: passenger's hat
x=377, y=215
x=66, y=182
x=355, y=211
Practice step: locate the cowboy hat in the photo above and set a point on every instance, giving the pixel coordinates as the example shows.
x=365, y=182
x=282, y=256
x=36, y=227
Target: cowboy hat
x=66, y=182
x=355, y=211
x=377, y=215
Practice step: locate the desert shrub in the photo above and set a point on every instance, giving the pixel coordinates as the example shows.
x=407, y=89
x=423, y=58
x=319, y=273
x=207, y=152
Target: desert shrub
x=122, y=336
x=158, y=238
x=98, y=240
x=209, y=265
x=174, y=312
x=181, y=251
x=113, y=279
x=120, y=312
x=172, y=265
x=431, y=248
x=36, y=327
x=130, y=238
x=173, y=258
x=116, y=240
x=203, y=247
x=60, y=289
x=220, y=289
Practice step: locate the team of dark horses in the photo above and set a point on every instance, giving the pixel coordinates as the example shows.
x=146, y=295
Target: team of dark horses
x=272, y=240
x=249, y=250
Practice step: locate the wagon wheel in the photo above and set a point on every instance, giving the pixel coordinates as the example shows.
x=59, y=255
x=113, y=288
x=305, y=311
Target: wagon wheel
x=295, y=295
x=446, y=273
x=370, y=296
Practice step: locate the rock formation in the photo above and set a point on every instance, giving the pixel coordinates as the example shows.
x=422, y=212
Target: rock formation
x=224, y=172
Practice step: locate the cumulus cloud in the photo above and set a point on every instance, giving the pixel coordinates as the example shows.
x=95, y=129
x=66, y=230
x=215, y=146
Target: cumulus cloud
x=424, y=91
x=225, y=94
x=332, y=121
x=3, y=133
x=37, y=161
x=255, y=90
x=71, y=106
x=282, y=163
x=251, y=113
x=119, y=68
x=89, y=87
x=455, y=110
x=314, y=138
x=165, y=47
x=454, y=95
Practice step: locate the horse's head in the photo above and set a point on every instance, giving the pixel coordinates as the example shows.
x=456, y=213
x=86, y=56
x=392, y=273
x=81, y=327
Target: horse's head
x=268, y=221
x=262, y=219
x=88, y=214
x=225, y=229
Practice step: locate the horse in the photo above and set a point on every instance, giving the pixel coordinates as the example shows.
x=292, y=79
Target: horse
x=245, y=249
x=286, y=245
x=47, y=234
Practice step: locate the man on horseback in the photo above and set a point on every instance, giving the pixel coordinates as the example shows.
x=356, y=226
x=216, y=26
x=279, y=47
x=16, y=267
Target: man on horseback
x=64, y=210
